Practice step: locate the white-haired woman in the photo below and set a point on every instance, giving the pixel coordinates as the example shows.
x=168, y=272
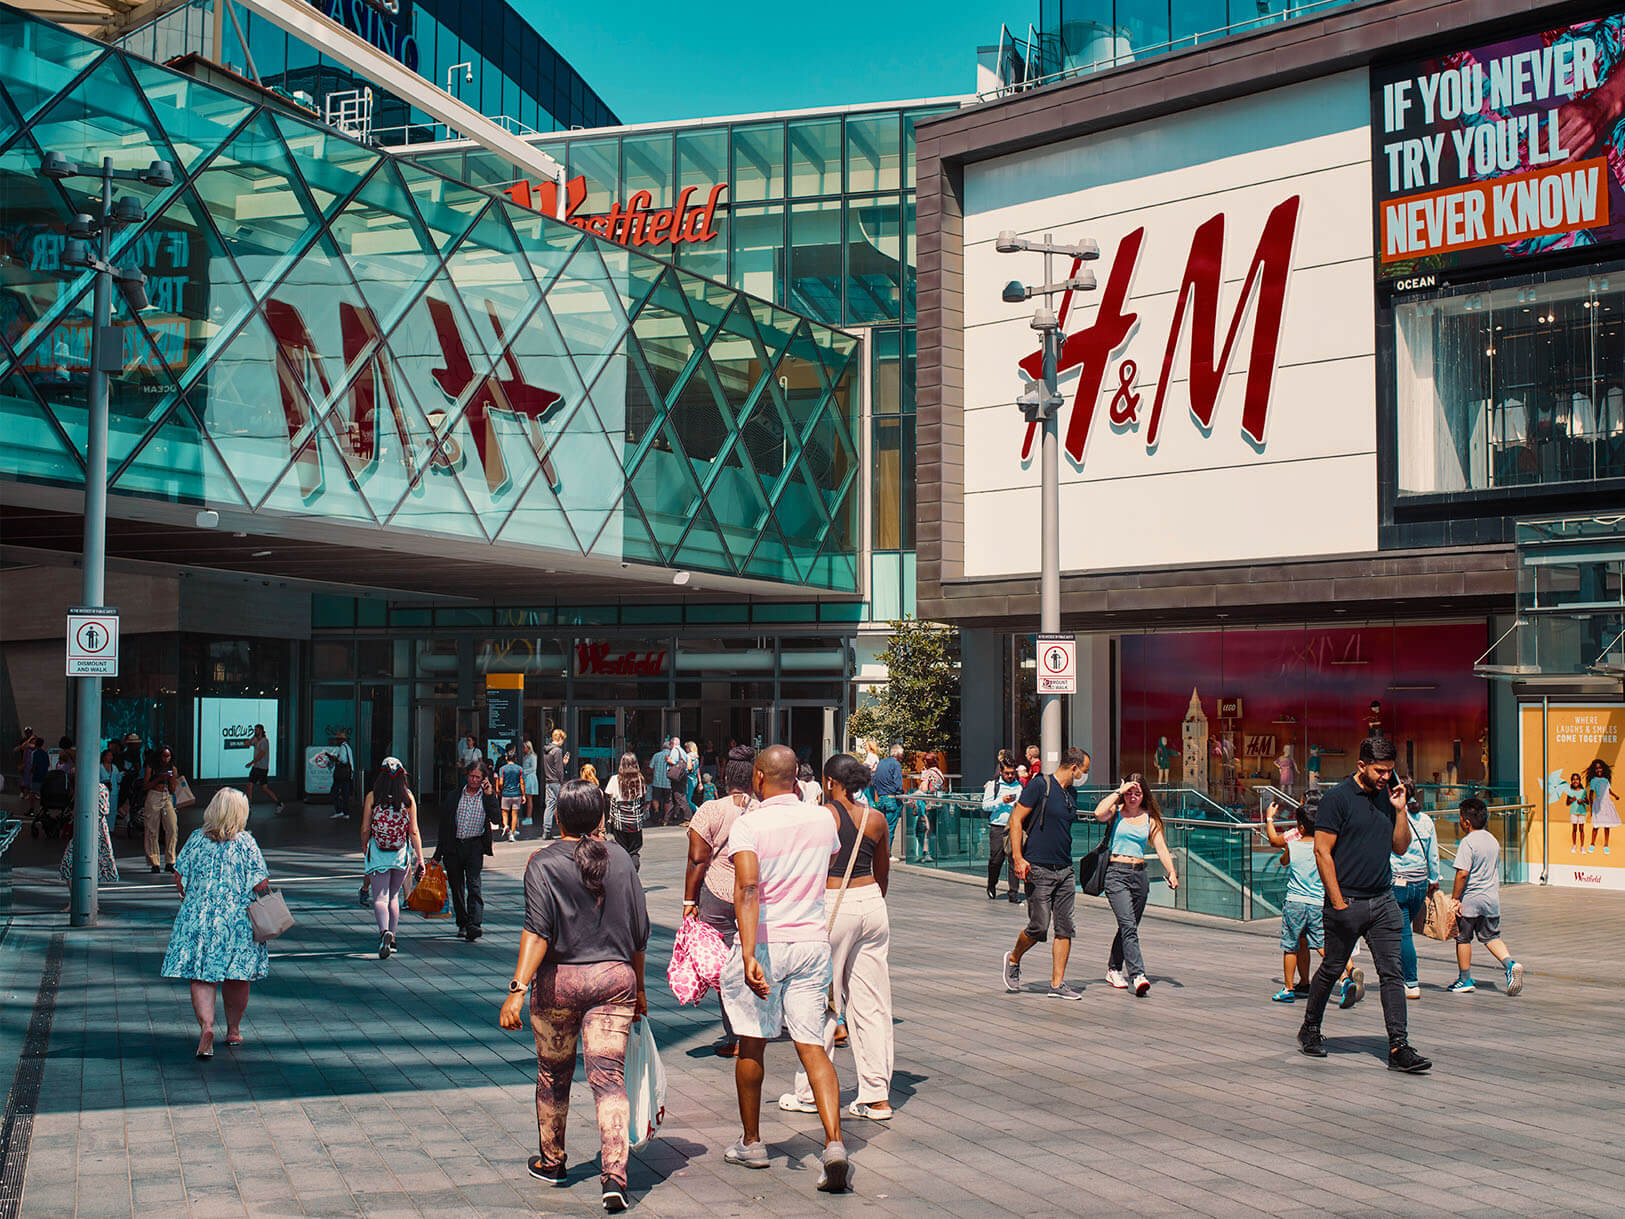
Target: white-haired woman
x=212, y=946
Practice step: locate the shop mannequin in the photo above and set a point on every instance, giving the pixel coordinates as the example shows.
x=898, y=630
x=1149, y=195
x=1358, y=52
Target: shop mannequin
x=1314, y=768
x=1373, y=723
x=1164, y=759
x=1287, y=768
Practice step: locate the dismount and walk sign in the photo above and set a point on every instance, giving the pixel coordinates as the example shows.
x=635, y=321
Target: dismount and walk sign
x=1057, y=664
x=92, y=641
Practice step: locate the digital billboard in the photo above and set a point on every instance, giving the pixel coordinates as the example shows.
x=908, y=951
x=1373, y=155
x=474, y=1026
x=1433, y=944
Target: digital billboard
x=1502, y=151
x=225, y=736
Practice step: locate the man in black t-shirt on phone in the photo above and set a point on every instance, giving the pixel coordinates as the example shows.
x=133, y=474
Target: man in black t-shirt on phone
x=1041, y=848
x=1360, y=823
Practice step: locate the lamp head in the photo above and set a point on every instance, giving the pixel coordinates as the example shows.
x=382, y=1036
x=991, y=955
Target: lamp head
x=1014, y=292
x=81, y=227
x=132, y=281
x=55, y=165
x=76, y=253
x=127, y=209
x=159, y=173
x=1008, y=243
x=1044, y=319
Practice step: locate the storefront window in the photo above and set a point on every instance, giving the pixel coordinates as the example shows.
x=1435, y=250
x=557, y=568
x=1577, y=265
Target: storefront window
x=874, y=275
x=815, y=260
x=1511, y=385
x=1290, y=707
x=646, y=164
x=873, y=153
x=598, y=162
x=758, y=250
x=815, y=157
x=758, y=162
x=702, y=158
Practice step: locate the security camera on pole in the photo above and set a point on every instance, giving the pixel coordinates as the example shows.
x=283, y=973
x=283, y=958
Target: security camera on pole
x=93, y=628
x=1044, y=405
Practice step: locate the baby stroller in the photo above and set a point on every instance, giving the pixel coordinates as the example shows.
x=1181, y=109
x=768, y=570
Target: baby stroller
x=55, y=816
x=130, y=796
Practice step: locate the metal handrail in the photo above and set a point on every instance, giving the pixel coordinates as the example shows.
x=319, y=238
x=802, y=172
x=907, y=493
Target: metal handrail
x=9, y=830
x=1135, y=54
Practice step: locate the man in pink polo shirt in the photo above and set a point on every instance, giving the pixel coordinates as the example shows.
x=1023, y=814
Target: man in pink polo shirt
x=778, y=976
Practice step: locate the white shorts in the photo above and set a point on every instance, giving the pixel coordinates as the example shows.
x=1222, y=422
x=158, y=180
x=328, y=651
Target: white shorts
x=798, y=977
x=509, y=803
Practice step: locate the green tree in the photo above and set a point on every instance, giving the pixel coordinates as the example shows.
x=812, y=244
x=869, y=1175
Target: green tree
x=916, y=706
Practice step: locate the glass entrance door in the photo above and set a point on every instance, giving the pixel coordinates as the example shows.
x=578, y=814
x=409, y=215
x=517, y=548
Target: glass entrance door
x=604, y=733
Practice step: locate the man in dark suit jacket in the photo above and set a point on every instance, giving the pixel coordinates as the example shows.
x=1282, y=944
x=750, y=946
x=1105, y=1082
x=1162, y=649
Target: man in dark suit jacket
x=463, y=842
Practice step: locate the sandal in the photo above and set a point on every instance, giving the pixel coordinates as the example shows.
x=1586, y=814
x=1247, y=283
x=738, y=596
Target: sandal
x=726, y=1049
x=205, y=1047
x=233, y=1040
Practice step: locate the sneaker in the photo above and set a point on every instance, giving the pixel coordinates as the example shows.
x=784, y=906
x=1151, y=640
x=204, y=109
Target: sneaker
x=614, y=1197
x=1402, y=1058
x=790, y=1103
x=394, y=944
x=1461, y=986
x=1311, y=1042
x=338, y=816
x=1514, y=979
x=383, y=946
x=1116, y=979
x=1357, y=976
x=836, y=1169
x=1063, y=991
x=747, y=1155
x=992, y=896
x=553, y=1174
x=1413, y=990
x=474, y=933
x=1142, y=985
x=1301, y=991
x=1284, y=995
x=279, y=810
x=1012, y=974
x=858, y=1109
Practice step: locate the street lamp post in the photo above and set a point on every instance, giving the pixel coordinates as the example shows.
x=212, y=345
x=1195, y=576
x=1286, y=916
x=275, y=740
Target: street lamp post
x=1043, y=406
x=90, y=245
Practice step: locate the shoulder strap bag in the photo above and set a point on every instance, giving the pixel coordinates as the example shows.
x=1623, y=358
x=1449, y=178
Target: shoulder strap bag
x=269, y=915
x=840, y=894
x=1092, y=867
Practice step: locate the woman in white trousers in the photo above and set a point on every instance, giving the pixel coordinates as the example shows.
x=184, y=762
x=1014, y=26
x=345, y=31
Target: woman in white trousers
x=859, y=941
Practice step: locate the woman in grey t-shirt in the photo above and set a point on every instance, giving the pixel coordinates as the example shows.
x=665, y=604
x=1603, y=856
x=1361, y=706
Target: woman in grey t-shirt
x=581, y=953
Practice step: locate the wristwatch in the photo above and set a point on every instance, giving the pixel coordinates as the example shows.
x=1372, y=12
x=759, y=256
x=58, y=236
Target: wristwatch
x=515, y=986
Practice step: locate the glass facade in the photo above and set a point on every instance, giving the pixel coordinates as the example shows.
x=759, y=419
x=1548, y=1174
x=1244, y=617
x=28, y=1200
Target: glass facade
x=513, y=75
x=1512, y=383
x=340, y=335
x=817, y=216
x=1077, y=36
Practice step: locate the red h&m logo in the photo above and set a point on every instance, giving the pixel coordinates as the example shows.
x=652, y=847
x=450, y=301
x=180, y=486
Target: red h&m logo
x=1092, y=349
x=632, y=223
x=354, y=420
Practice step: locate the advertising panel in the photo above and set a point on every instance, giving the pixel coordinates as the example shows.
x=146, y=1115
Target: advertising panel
x=318, y=769
x=1501, y=151
x=1576, y=793
x=225, y=735
x=1219, y=386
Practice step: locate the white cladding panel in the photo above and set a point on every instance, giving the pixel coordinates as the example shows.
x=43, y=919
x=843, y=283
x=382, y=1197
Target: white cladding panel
x=1309, y=488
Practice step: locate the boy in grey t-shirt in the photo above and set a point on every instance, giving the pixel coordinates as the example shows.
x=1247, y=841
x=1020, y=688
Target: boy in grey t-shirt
x=1478, y=898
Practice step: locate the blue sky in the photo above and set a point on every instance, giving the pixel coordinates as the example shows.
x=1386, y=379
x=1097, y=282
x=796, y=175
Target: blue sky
x=653, y=61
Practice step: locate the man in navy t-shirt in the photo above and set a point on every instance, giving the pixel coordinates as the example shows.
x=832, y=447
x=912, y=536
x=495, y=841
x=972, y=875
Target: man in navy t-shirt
x=1041, y=846
x=1360, y=825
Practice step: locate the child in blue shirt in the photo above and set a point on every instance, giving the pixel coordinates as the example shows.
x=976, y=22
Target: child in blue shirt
x=1303, y=915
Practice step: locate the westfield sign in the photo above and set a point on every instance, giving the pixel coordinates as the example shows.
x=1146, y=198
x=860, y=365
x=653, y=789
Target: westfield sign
x=598, y=660
x=1093, y=350
x=633, y=223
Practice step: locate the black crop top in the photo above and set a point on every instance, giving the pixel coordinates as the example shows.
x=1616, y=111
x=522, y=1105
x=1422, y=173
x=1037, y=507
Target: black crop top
x=848, y=833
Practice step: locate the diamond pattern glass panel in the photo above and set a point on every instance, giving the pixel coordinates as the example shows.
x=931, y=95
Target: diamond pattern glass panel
x=338, y=337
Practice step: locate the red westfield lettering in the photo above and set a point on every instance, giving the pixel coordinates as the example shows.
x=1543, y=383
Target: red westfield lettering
x=634, y=222
x=1092, y=349
x=596, y=660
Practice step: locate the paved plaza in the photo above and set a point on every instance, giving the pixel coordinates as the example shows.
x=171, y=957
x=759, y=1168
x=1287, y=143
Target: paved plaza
x=386, y=1088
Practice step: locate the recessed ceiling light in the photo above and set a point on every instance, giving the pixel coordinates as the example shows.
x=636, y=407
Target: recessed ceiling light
x=239, y=535
x=260, y=554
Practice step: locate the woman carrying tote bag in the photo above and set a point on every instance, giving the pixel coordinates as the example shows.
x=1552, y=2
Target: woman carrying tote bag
x=859, y=942
x=212, y=945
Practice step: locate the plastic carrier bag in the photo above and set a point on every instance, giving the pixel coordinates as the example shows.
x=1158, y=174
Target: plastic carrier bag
x=645, y=1085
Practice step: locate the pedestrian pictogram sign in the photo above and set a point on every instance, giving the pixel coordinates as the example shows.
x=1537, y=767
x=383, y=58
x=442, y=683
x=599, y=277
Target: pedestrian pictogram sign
x=92, y=642
x=1057, y=664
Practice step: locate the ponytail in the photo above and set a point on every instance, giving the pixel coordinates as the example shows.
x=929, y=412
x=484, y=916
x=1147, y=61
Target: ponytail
x=592, y=861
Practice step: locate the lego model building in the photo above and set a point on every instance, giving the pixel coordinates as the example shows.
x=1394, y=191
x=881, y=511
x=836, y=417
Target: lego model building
x=1194, y=731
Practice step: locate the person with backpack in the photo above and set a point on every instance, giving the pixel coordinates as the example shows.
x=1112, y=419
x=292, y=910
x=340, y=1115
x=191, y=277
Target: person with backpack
x=999, y=796
x=554, y=765
x=389, y=827
x=931, y=782
x=462, y=843
x=680, y=812
x=628, y=798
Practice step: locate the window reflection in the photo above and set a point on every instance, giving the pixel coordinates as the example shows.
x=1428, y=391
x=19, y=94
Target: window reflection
x=1513, y=385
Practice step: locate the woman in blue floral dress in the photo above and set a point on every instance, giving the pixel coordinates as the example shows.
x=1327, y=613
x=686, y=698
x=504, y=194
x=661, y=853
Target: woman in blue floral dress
x=218, y=872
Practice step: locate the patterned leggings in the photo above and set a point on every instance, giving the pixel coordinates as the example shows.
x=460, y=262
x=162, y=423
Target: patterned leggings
x=597, y=1002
